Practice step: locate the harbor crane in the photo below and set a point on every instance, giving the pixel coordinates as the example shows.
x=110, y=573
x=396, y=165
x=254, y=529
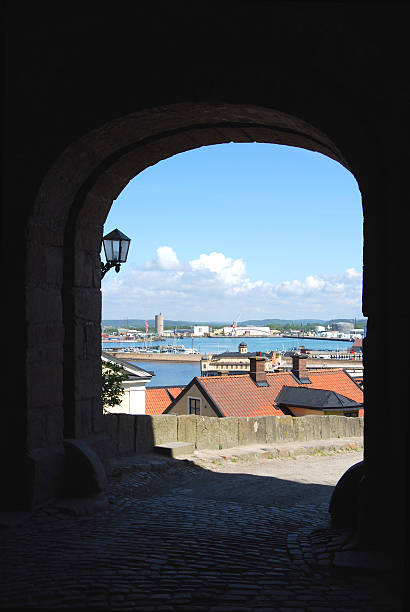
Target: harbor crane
x=235, y=325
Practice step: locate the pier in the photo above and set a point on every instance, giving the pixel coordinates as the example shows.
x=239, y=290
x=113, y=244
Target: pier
x=172, y=357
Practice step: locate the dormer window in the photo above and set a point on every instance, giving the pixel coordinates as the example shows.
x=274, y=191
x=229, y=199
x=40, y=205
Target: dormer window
x=194, y=405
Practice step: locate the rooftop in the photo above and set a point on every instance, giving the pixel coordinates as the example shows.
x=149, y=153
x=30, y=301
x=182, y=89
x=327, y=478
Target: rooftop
x=238, y=396
x=157, y=399
x=315, y=398
x=130, y=368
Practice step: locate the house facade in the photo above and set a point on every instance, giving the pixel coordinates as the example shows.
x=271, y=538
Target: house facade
x=133, y=398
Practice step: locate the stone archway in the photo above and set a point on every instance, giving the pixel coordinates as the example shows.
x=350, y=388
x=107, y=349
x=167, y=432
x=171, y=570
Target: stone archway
x=73, y=203
x=63, y=298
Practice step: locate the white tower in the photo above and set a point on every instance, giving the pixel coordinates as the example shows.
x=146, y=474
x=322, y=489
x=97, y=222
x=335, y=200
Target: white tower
x=159, y=324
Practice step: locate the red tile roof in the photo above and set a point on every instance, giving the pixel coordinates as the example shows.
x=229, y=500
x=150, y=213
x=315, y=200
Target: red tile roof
x=175, y=391
x=335, y=379
x=238, y=395
x=157, y=400
x=267, y=411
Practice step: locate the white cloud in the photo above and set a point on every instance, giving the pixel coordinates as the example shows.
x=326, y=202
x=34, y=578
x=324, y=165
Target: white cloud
x=230, y=274
x=352, y=273
x=166, y=259
x=216, y=287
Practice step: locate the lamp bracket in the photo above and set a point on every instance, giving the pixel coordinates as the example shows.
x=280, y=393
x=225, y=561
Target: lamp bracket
x=107, y=266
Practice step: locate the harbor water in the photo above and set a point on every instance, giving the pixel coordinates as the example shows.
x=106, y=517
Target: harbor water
x=170, y=374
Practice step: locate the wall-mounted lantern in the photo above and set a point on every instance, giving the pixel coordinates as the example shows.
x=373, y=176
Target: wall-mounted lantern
x=116, y=245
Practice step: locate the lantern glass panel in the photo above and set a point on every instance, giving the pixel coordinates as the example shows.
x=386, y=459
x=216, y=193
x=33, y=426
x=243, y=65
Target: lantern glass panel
x=125, y=245
x=111, y=248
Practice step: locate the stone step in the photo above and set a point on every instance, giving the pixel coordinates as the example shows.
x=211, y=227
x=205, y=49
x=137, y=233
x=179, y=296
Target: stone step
x=175, y=449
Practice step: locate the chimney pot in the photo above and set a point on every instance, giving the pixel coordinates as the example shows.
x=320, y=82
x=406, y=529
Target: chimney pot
x=299, y=368
x=257, y=368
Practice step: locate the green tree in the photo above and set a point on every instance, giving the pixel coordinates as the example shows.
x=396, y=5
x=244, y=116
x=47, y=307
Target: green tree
x=113, y=375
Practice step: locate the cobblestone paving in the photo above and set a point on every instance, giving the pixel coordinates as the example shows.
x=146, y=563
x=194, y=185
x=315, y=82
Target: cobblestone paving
x=158, y=547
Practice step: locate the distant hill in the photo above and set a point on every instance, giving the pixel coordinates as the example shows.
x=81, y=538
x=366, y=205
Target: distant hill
x=151, y=322
x=296, y=322
x=140, y=323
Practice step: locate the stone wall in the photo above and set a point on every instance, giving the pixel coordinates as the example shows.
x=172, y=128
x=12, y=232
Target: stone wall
x=140, y=433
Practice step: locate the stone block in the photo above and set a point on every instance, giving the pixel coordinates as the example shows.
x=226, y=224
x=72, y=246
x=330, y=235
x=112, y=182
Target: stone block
x=87, y=375
x=344, y=504
x=44, y=305
x=271, y=424
x=343, y=426
x=252, y=430
x=126, y=434
x=87, y=302
x=83, y=417
x=300, y=428
x=111, y=428
x=316, y=424
x=84, y=472
x=54, y=422
x=307, y=428
x=45, y=383
x=325, y=427
x=36, y=434
x=54, y=259
x=186, y=428
x=48, y=333
x=335, y=426
x=228, y=432
x=207, y=433
x=144, y=434
x=101, y=444
x=175, y=449
x=353, y=427
x=45, y=474
x=286, y=430
x=165, y=428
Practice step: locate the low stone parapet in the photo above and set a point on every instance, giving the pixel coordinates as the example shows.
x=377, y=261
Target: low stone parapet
x=132, y=434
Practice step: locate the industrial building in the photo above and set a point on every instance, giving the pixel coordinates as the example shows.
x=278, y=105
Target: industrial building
x=248, y=330
x=344, y=327
x=200, y=330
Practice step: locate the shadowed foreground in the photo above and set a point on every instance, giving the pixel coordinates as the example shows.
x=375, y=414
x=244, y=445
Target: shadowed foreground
x=177, y=536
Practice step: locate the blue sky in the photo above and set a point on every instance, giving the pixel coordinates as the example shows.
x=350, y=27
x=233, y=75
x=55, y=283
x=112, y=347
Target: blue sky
x=259, y=230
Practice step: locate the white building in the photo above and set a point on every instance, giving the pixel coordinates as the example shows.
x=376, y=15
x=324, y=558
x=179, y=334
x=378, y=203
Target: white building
x=248, y=330
x=335, y=334
x=357, y=333
x=200, y=330
x=133, y=399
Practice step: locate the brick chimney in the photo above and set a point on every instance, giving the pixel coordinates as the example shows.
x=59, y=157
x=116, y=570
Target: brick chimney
x=299, y=368
x=257, y=368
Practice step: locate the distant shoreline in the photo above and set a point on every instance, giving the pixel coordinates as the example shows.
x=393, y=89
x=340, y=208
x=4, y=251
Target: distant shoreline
x=238, y=338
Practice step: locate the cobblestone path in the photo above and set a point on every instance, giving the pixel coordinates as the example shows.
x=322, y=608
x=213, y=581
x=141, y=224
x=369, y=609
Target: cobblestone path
x=161, y=547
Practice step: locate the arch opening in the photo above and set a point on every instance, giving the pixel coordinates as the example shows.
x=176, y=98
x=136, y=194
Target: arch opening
x=67, y=225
